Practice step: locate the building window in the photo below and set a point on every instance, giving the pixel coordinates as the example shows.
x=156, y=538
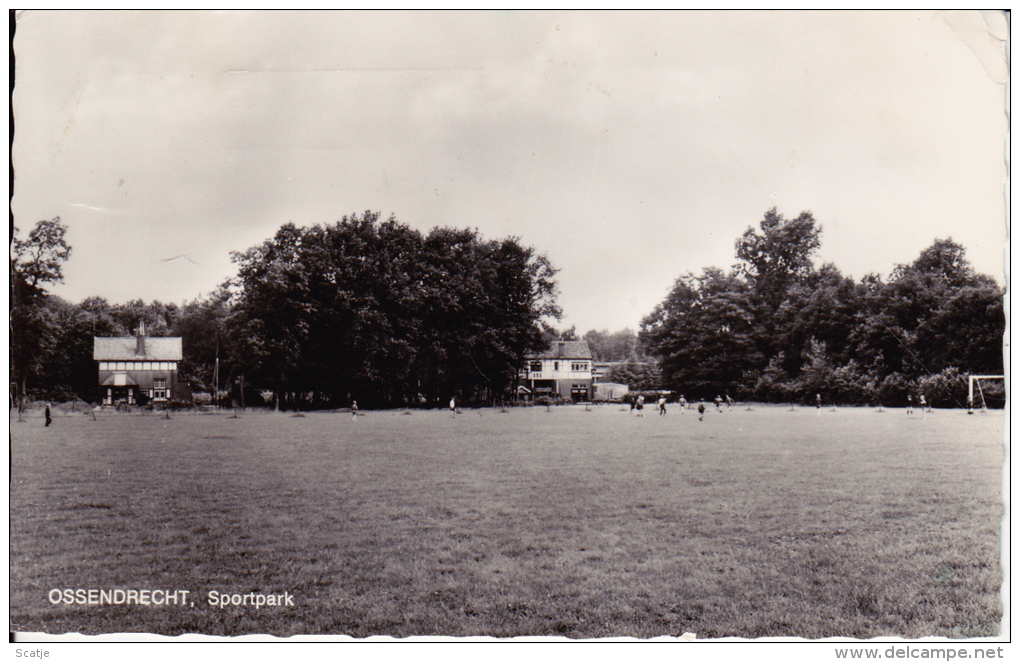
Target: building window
x=556, y=366
x=578, y=366
x=536, y=366
x=104, y=365
x=121, y=365
x=159, y=389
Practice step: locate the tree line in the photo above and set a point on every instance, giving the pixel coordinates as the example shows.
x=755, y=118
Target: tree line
x=373, y=310
x=776, y=328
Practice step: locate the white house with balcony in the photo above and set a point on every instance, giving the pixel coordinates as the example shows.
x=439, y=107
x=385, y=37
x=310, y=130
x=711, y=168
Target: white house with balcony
x=565, y=370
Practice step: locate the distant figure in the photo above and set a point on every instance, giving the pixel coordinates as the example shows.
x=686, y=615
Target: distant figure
x=924, y=405
x=662, y=405
x=729, y=401
x=683, y=404
x=633, y=406
x=49, y=419
x=718, y=404
x=453, y=407
x=818, y=400
x=354, y=409
x=641, y=405
x=910, y=405
x=701, y=410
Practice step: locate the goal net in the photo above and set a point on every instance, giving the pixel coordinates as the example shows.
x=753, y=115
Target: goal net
x=978, y=381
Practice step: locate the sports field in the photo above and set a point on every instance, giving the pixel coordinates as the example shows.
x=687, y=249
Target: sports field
x=567, y=522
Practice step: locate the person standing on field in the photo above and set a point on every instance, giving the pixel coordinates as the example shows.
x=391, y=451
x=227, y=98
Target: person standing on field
x=49, y=419
x=701, y=410
x=354, y=409
x=910, y=404
x=683, y=404
x=453, y=407
x=662, y=405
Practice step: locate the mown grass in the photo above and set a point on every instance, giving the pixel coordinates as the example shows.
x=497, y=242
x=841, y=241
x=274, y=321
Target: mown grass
x=570, y=523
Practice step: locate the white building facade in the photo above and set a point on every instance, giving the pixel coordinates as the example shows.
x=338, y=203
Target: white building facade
x=564, y=371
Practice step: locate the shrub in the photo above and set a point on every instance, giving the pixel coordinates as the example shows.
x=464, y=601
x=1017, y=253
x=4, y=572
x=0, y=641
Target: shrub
x=202, y=398
x=893, y=390
x=944, y=389
x=848, y=384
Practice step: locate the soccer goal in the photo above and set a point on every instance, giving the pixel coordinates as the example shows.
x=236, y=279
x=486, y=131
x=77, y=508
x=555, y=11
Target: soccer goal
x=977, y=379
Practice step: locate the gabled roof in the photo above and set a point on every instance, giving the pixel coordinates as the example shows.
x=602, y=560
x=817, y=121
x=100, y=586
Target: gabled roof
x=564, y=349
x=119, y=379
x=123, y=349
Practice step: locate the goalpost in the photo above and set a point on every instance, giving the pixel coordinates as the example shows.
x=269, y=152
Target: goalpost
x=976, y=379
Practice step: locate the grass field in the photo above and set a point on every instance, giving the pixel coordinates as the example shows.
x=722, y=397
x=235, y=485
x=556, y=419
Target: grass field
x=567, y=522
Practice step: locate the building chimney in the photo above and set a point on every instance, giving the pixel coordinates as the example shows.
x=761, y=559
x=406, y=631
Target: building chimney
x=140, y=340
x=559, y=349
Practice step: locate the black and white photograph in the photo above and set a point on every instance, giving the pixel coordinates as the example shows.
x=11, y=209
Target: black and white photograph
x=682, y=330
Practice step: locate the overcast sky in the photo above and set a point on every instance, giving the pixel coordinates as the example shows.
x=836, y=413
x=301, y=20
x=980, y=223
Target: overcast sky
x=630, y=148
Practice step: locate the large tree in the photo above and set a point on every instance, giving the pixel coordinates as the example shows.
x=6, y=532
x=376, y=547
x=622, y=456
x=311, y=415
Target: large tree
x=704, y=334
x=778, y=253
x=35, y=261
x=270, y=319
x=612, y=347
x=201, y=325
x=822, y=307
x=374, y=310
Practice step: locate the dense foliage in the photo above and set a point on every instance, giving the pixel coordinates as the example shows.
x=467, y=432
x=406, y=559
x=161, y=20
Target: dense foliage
x=776, y=328
x=373, y=310
x=35, y=261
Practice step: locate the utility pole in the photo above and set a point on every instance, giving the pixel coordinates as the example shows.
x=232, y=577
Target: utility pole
x=216, y=372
